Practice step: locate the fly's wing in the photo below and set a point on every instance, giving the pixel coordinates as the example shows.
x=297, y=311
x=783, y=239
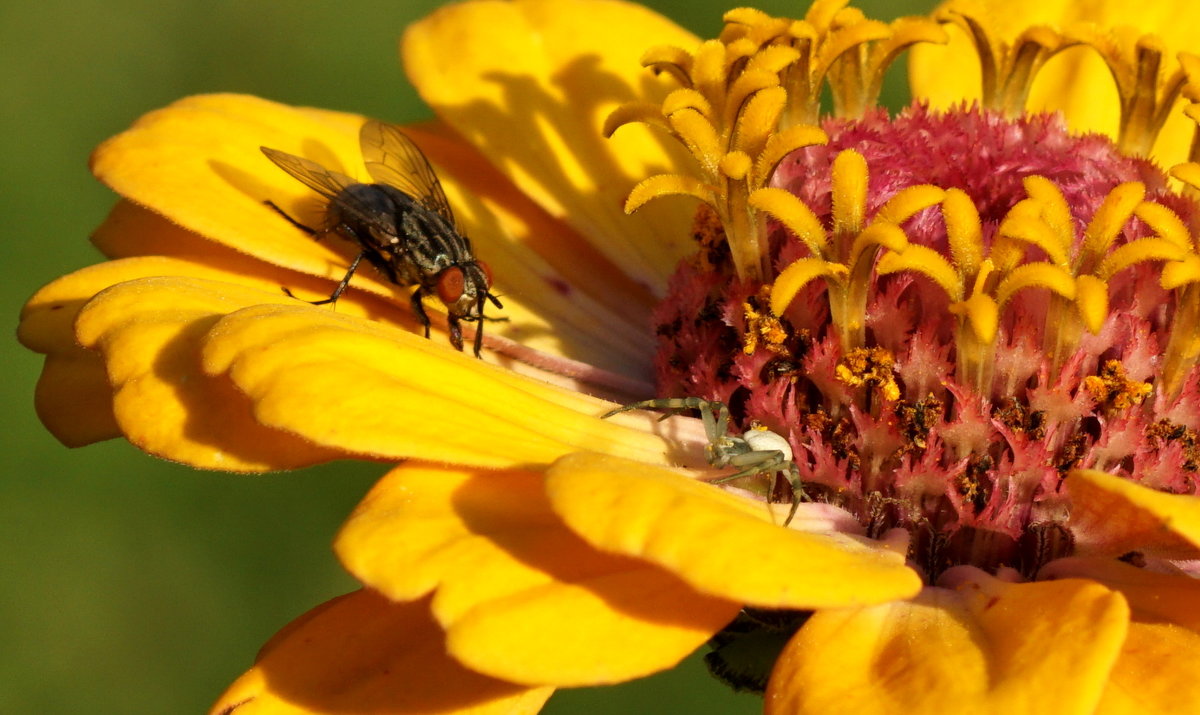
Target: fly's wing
x=392, y=158
x=332, y=185
x=316, y=177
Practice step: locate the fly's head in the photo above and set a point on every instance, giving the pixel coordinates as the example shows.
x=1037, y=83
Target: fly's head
x=464, y=288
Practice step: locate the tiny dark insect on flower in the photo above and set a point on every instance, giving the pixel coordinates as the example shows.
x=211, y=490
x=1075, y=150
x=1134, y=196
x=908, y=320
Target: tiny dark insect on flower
x=402, y=224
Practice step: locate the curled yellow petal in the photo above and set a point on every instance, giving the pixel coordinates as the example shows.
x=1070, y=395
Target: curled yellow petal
x=963, y=230
x=668, y=185
x=927, y=262
x=1165, y=223
x=799, y=274
x=849, y=186
x=794, y=214
x=643, y=112
x=1112, y=515
x=984, y=315
x=780, y=144
x=1110, y=219
x=362, y=653
x=909, y=201
x=720, y=544
x=503, y=566
x=1040, y=648
x=149, y=332
x=1180, y=273
x=1036, y=275
x=1134, y=252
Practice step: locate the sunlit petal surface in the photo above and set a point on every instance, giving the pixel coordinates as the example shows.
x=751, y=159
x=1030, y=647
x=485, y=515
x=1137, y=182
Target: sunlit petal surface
x=511, y=580
x=356, y=385
x=992, y=647
x=361, y=653
x=495, y=69
x=1149, y=677
x=721, y=544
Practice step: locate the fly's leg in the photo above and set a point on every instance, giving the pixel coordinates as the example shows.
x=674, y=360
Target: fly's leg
x=294, y=222
x=341, y=286
x=418, y=309
x=344, y=283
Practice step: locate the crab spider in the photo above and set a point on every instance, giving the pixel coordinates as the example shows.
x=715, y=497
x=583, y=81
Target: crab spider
x=756, y=451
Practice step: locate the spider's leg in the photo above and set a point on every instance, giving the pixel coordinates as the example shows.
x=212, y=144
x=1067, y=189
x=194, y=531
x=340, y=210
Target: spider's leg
x=767, y=460
x=791, y=473
x=671, y=405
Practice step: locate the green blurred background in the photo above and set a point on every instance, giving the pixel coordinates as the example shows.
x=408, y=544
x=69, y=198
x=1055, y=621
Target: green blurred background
x=131, y=585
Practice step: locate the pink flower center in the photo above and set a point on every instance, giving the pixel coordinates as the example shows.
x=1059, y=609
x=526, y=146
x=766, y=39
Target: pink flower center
x=901, y=427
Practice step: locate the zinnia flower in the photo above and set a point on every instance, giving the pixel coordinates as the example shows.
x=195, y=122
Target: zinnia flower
x=974, y=324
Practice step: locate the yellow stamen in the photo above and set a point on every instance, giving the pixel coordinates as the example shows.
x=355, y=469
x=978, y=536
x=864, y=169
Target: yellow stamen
x=1113, y=388
x=870, y=367
x=763, y=326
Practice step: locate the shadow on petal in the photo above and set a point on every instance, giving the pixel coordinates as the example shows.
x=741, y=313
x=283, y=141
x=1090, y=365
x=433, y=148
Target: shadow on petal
x=361, y=653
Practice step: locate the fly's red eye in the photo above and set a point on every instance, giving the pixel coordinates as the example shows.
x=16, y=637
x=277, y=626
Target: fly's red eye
x=450, y=284
x=487, y=272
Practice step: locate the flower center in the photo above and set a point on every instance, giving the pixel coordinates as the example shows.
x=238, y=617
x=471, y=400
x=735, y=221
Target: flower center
x=951, y=311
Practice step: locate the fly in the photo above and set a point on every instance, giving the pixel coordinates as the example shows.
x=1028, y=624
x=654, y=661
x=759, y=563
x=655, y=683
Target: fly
x=402, y=224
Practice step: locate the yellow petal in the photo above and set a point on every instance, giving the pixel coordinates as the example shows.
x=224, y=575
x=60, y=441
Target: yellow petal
x=1151, y=595
x=361, y=653
x=993, y=647
x=1150, y=676
x=362, y=387
x=197, y=162
x=1112, y=515
x=149, y=333
x=720, y=544
x=487, y=67
x=520, y=596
